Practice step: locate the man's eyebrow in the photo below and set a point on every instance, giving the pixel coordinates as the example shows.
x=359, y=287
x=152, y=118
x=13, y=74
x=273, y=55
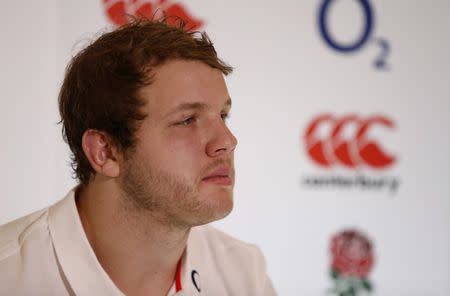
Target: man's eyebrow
x=194, y=106
x=187, y=106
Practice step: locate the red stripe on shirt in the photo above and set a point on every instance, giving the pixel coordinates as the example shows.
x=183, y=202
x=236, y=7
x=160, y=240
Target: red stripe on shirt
x=178, y=277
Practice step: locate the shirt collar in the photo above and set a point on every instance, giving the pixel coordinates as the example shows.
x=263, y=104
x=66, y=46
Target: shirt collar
x=77, y=259
x=80, y=265
x=188, y=278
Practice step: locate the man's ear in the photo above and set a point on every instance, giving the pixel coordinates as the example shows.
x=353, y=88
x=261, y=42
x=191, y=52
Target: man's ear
x=101, y=153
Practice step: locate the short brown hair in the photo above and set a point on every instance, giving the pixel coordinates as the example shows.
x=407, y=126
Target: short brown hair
x=102, y=82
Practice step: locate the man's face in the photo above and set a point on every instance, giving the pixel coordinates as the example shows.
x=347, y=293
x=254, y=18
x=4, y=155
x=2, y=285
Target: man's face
x=182, y=170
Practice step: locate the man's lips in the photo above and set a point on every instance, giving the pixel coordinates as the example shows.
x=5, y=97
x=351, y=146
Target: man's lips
x=220, y=176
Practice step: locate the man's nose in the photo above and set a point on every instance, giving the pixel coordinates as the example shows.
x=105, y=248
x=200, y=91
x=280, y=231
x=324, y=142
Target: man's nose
x=222, y=141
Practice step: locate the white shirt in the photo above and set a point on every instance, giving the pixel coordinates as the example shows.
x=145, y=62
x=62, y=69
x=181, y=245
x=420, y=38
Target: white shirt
x=47, y=253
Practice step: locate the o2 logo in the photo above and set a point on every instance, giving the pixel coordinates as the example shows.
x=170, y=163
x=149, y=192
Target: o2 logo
x=380, y=61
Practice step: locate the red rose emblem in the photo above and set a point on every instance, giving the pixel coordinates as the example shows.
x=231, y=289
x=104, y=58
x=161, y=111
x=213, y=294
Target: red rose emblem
x=352, y=254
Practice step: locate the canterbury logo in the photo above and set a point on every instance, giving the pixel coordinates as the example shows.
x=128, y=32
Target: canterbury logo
x=118, y=12
x=357, y=151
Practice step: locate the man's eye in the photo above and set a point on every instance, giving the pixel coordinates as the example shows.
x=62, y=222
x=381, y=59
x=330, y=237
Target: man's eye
x=187, y=121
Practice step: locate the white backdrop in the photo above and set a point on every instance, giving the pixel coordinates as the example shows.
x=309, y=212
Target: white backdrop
x=285, y=76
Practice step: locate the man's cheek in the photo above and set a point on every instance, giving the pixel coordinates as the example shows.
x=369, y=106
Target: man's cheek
x=182, y=151
x=184, y=144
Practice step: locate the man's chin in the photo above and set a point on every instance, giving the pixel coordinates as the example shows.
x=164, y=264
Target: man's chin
x=215, y=206
x=224, y=210
x=218, y=215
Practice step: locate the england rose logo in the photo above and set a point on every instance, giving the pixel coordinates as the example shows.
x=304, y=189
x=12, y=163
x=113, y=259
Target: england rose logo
x=352, y=260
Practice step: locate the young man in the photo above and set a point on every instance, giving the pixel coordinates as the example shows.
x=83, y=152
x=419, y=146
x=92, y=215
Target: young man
x=144, y=112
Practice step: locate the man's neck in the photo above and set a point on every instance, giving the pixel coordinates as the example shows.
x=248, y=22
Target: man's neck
x=138, y=253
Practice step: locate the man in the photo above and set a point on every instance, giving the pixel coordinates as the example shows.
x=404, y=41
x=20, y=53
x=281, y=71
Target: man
x=143, y=110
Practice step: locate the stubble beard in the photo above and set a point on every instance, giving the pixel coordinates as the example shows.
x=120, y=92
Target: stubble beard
x=170, y=200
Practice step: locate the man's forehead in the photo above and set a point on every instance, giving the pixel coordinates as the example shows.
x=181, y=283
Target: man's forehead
x=182, y=85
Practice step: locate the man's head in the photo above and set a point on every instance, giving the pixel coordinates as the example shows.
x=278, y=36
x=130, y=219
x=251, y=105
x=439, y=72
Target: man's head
x=144, y=107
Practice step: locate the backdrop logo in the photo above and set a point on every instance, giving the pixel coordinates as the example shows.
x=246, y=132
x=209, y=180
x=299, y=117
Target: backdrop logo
x=366, y=33
x=352, y=260
x=118, y=12
x=357, y=151
x=345, y=142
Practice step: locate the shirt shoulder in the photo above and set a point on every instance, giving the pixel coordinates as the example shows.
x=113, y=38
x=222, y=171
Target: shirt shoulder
x=28, y=263
x=15, y=233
